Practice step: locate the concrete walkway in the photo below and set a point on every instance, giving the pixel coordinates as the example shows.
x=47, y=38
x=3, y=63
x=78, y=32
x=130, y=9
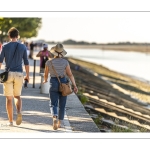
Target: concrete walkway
x=36, y=112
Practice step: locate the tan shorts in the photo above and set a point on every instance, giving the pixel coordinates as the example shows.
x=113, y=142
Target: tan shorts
x=13, y=86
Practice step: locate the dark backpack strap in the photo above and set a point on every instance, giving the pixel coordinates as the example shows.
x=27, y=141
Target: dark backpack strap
x=12, y=58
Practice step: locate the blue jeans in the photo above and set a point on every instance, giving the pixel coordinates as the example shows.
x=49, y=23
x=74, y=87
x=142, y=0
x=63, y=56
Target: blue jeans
x=57, y=101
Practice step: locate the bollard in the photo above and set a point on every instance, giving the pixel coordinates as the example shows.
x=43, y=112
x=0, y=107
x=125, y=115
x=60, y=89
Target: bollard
x=34, y=74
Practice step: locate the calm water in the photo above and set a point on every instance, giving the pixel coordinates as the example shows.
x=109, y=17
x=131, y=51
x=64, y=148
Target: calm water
x=131, y=63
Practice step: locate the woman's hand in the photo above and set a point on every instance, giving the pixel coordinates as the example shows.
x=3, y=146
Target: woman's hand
x=75, y=89
x=39, y=54
x=44, y=81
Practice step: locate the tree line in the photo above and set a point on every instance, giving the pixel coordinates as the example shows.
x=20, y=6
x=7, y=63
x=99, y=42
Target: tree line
x=73, y=42
x=28, y=27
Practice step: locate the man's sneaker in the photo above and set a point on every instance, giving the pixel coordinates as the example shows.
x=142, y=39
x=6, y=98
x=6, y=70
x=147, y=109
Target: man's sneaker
x=55, y=127
x=10, y=124
x=19, y=119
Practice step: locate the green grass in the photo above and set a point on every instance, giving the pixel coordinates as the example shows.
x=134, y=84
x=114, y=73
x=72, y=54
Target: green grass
x=84, y=99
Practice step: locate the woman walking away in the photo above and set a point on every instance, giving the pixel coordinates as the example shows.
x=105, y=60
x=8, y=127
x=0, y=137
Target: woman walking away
x=62, y=68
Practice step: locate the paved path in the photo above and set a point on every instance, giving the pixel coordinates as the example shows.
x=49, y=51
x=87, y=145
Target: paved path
x=36, y=113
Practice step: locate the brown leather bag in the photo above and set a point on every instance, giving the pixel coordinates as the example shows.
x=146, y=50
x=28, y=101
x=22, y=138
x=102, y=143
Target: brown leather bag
x=64, y=88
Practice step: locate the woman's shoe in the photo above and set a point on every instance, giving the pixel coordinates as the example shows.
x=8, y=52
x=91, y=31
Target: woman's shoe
x=60, y=125
x=55, y=127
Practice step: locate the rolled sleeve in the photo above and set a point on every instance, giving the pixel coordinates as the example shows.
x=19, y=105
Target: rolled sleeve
x=25, y=58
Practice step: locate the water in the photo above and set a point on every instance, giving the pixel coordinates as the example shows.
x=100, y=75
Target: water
x=131, y=63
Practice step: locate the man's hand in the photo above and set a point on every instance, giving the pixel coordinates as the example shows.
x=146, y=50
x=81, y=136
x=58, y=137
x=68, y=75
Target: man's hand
x=26, y=78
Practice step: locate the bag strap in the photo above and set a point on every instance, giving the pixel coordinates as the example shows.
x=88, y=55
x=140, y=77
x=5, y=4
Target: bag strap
x=55, y=72
x=12, y=57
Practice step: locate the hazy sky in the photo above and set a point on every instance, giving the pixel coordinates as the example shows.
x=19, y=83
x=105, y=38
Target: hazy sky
x=100, y=27
x=128, y=24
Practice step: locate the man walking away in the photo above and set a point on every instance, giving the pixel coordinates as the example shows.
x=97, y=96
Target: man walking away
x=13, y=53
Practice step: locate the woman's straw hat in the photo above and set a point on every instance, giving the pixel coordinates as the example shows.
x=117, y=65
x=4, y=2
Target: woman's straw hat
x=58, y=50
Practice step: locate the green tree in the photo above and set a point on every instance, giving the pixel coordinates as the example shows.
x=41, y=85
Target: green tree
x=28, y=27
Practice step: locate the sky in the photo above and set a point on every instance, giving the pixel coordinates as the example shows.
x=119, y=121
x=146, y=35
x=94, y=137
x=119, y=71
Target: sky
x=100, y=21
x=99, y=27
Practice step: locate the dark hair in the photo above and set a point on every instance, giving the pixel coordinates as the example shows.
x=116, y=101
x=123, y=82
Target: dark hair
x=13, y=32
